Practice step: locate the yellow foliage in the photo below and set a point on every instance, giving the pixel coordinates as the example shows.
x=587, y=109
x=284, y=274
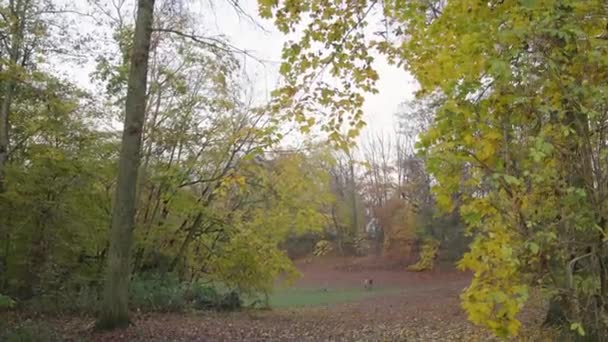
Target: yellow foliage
x=428, y=254
x=322, y=248
x=497, y=293
x=398, y=221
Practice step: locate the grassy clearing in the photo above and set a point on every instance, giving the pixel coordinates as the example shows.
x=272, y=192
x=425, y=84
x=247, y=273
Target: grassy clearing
x=303, y=297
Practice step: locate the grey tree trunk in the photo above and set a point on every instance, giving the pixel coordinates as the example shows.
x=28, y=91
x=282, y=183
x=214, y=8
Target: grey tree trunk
x=353, y=187
x=114, y=310
x=18, y=11
x=4, y=111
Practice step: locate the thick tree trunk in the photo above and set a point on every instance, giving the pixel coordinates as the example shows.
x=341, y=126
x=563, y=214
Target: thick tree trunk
x=114, y=310
x=556, y=313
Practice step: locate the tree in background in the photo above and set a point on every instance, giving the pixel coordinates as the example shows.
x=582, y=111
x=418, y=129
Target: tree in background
x=379, y=180
x=414, y=118
x=51, y=150
x=346, y=214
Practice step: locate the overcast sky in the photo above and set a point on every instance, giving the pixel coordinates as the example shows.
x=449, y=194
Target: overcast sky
x=218, y=17
x=395, y=85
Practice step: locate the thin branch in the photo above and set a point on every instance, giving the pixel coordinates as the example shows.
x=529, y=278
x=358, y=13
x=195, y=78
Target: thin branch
x=571, y=267
x=242, y=13
x=212, y=42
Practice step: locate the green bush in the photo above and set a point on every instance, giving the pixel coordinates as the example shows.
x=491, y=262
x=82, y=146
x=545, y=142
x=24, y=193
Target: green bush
x=428, y=254
x=86, y=300
x=208, y=298
x=157, y=293
x=323, y=248
x=83, y=300
x=6, y=302
x=147, y=292
x=31, y=331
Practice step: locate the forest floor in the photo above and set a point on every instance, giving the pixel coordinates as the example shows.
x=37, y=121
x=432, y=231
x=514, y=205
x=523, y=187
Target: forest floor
x=403, y=306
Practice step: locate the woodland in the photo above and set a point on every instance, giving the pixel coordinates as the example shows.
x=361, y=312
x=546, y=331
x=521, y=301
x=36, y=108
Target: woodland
x=159, y=187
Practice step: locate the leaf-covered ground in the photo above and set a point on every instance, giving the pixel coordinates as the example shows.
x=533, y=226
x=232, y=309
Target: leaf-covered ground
x=425, y=308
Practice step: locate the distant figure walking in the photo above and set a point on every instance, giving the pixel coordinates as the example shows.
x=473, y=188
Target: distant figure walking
x=368, y=284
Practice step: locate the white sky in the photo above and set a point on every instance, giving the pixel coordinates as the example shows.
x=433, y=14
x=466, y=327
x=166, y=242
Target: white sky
x=395, y=85
x=218, y=17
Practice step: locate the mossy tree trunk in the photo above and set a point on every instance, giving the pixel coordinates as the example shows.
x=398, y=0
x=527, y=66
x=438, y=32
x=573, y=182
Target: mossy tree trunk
x=114, y=310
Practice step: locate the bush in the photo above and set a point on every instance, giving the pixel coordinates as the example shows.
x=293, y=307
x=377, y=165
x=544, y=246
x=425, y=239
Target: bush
x=86, y=300
x=6, y=302
x=322, y=248
x=299, y=246
x=157, y=293
x=208, y=298
x=31, y=331
x=428, y=254
x=203, y=297
x=83, y=300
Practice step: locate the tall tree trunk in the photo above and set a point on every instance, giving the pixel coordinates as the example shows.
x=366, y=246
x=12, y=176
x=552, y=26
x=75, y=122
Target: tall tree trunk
x=114, y=310
x=17, y=13
x=4, y=111
x=353, y=187
x=17, y=27
x=7, y=94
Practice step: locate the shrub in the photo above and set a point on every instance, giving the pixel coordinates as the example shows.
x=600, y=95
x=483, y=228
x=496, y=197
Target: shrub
x=6, y=302
x=204, y=297
x=31, y=331
x=428, y=253
x=229, y=301
x=83, y=300
x=157, y=293
x=322, y=248
x=208, y=298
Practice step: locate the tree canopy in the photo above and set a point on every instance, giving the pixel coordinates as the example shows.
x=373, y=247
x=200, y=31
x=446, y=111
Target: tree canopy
x=508, y=135
x=517, y=142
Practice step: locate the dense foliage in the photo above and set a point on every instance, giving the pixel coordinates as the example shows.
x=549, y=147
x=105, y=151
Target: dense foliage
x=509, y=134
x=518, y=139
x=215, y=197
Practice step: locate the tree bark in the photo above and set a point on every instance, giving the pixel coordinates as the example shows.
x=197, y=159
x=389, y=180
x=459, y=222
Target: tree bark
x=17, y=28
x=4, y=111
x=114, y=310
x=353, y=186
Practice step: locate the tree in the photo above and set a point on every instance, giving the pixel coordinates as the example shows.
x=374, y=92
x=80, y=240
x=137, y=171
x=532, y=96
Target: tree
x=12, y=59
x=37, y=113
x=114, y=311
x=380, y=182
x=346, y=213
x=14, y=41
x=518, y=140
x=262, y=206
x=205, y=209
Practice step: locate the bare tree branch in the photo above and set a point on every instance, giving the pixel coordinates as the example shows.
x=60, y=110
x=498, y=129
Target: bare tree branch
x=213, y=43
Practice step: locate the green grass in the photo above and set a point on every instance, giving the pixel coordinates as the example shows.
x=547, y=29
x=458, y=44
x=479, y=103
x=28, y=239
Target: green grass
x=301, y=297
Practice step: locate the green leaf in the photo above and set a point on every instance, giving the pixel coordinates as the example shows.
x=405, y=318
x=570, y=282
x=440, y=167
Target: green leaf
x=534, y=248
x=578, y=327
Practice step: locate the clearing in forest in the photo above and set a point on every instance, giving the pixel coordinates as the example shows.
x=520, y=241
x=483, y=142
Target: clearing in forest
x=328, y=303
